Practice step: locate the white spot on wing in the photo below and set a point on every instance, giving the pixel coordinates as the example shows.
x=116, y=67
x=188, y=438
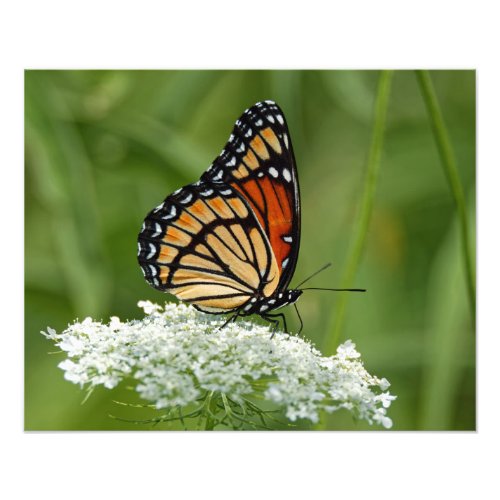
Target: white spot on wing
x=287, y=239
x=241, y=148
x=270, y=118
x=231, y=162
x=285, y=140
x=248, y=132
x=172, y=214
x=153, y=270
x=226, y=192
x=187, y=199
x=287, y=175
x=280, y=119
x=284, y=263
x=259, y=122
x=157, y=230
x=274, y=173
x=152, y=251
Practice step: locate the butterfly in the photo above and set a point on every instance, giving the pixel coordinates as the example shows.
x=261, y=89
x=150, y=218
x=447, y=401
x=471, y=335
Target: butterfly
x=229, y=242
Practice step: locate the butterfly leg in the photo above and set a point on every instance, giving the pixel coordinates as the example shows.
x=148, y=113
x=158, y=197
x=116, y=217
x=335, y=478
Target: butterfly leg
x=272, y=319
x=300, y=319
x=230, y=319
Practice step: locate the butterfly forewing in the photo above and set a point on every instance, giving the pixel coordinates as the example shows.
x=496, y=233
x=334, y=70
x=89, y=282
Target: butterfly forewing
x=259, y=163
x=205, y=245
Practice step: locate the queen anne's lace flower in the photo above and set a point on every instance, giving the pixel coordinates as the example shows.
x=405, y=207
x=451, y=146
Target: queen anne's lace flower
x=175, y=353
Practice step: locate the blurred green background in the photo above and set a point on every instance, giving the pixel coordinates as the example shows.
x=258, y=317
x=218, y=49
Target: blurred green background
x=104, y=147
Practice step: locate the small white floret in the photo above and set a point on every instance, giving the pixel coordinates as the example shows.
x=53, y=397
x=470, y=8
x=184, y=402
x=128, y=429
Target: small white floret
x=176, y=354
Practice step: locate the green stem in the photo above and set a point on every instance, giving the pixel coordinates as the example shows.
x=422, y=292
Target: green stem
x=450, y=168
x=372, y=172
x=210, y=409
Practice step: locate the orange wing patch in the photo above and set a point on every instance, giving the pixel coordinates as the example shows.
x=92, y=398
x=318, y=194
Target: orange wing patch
x=189, y=223
x=175, y=236
x=251, y=191
x=271, y=139
x=278, y=204
x=241, y=172
x=238, y=206
x=164, y=274
x=200, y=210
x=167, y=254
x=279, y=212
x=220, y=207
x=257, y=144
x=280, y=218
x=251, y=160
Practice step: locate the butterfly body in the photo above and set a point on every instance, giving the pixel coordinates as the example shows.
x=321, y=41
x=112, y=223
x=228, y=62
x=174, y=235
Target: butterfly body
x=264, y=305
x=229, y=242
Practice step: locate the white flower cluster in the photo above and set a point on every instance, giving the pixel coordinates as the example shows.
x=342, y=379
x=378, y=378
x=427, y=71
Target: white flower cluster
x=175, y=353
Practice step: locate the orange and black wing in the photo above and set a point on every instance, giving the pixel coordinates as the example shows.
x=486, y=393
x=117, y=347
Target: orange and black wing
x=204, y=245
x=259, y=163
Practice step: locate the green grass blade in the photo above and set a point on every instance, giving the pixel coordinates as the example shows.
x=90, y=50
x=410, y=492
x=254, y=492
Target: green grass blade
x=449, y=351
x=450, y=168
x=363, y=221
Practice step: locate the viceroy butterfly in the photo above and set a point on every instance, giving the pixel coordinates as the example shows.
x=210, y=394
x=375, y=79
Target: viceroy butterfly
x=229, y=242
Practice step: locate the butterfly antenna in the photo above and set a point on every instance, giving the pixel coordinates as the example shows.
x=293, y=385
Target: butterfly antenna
x=338, y=289
x=314, y=274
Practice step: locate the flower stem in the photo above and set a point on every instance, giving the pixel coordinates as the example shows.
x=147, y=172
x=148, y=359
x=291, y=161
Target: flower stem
x=450, y=168
x=372, y=171
x=211, y=408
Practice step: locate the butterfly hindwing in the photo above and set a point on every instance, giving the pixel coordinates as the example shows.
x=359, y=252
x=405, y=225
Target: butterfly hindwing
x=205, y=245
x=259, y=163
